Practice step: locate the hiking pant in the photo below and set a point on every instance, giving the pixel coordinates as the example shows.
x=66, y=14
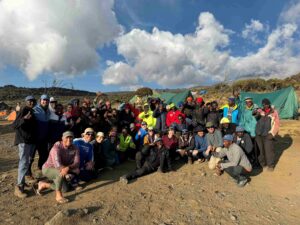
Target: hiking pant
x=54, y=175
x=139, y=159
x=165, y=159
x=42, y=148
x=236, y=172
x=25, y=151
x=266, y=155
x=213, y=161
x=144, y=170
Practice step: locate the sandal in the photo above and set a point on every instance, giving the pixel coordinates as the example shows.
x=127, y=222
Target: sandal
x=62, y=200
x=36, y=190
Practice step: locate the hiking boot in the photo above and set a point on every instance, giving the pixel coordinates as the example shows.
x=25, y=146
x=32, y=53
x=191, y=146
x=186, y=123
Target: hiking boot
x=242, y=183
x=19, y=192
x=124, y=180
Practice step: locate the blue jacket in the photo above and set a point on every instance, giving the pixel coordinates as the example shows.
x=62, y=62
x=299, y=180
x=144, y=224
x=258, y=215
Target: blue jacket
x=42, y=117
x=140, y=138
x=200, y=143
x=86, y=151
x=234, y=114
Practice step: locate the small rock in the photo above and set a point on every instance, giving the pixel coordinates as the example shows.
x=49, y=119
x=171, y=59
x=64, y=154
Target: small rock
x=57, y=219
x=95, y=220
x=85, y=210
x=233, y=217
x=203, y=174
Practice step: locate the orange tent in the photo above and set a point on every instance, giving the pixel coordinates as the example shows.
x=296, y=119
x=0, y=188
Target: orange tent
x=3, y=113
x=12, y=116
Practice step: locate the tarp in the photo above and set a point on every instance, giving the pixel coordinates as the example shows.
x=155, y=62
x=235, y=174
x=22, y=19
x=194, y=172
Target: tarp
x=12, y=116
x=168, y=97
x=284, y=100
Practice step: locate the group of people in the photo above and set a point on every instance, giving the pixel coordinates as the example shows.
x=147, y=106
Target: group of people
x=75, y=142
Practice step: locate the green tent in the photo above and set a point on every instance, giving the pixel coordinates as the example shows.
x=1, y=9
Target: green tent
x=284, y=100
x=169, y=97
x=176, y=97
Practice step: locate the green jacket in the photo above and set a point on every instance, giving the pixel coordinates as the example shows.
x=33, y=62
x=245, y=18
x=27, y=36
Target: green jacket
x=247, y=120
x=125, y=143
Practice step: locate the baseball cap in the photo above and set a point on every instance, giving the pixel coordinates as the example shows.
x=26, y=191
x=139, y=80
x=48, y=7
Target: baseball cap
x=68, y=134
x=228, y=137
x=224, y=120
x=239, y=129
x=52, y=99
x=199, y=129
x=209, y=124
x=29, y=98
x=100, y=134
x=150, y=128
x=248, y=99
x=199, y=100
x=143, y=123
x=44, y=97
x=88, y=130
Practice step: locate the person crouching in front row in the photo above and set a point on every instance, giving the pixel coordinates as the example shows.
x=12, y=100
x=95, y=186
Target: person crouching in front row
x=236, y=165
x=63, y=160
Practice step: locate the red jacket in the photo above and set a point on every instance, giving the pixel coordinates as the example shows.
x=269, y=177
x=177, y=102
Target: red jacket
x=172, y=117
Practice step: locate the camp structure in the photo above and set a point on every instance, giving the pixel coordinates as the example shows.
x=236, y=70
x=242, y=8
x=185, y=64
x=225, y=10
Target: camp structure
x=284, y=100
x=167, y=97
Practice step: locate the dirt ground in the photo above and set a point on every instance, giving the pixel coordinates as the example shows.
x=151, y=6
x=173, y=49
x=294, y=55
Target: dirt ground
x=192, y=195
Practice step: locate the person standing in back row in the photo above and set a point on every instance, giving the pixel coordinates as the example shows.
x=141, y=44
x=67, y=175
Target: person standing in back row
x=42, y=115
x=25, y=127
x=266, y=128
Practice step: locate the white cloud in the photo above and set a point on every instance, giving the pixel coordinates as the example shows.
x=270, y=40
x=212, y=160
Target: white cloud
x=169, y=59
x=119, y=74
x=250, y=31
x=55, y=36
x=202, y=57
x=292, y=13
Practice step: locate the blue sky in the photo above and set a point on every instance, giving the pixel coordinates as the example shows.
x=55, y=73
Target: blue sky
x=175, y=16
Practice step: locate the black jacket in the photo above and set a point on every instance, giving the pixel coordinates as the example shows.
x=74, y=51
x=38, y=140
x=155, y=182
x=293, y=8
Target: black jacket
x=25, y=129
x=199, y=116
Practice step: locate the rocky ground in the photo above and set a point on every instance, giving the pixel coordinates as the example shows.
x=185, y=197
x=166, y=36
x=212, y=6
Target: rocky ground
x=192, y=195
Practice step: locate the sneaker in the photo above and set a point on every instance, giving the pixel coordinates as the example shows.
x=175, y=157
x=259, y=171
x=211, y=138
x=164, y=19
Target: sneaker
x=242, y=183
x=124, y=180
x=19, y=192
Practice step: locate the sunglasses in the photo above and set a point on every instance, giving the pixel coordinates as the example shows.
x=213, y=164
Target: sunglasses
x=89, y=134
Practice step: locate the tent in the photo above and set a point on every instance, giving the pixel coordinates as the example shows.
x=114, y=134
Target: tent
x=284, y=100
x=176, y=97
x=12, y=116
x=168, y=97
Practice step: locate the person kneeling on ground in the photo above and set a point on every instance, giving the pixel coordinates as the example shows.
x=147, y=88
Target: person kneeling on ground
x=200, y=145
x=150, y=165
x=186, y=145
x=87, y=171
x=237, y=164
x=63, y=160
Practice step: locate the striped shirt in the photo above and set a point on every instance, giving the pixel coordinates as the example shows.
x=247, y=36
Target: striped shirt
x=60, y=156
